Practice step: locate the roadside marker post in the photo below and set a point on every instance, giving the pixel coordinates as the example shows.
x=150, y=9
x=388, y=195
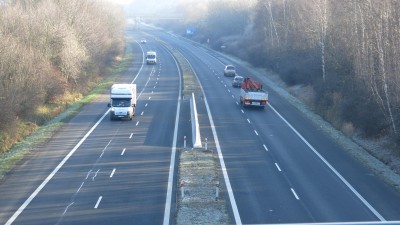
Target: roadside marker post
x=182, y=186
x=216, y=191
x=184, y=142
x=205, y=146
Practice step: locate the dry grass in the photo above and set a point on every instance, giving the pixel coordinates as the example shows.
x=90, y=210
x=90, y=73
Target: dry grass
x=21, y=130
x=22, y=137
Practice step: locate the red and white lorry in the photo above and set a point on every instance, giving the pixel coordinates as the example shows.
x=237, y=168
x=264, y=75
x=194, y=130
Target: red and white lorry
x=252, y=94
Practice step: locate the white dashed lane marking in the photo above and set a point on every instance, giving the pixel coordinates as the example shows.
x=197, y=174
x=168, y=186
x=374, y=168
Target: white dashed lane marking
x=112, y=173
x=294, y=193
x=98, y=202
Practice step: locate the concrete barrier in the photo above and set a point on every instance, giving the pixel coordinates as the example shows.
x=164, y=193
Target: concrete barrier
x=195, y=124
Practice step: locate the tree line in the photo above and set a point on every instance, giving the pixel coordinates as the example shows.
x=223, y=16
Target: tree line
x=49, y=49
x=346, y=52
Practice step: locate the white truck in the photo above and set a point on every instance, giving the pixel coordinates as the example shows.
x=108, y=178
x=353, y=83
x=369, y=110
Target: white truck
x=122, y=101
x=151, y=57
x=252, y=94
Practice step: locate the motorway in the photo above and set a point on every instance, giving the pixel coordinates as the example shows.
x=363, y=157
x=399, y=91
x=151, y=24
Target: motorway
x=282, y=168
x=107, y=172
x=279, y=167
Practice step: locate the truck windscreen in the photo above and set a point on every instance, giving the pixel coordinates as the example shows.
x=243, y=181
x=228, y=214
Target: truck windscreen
x=121, y=102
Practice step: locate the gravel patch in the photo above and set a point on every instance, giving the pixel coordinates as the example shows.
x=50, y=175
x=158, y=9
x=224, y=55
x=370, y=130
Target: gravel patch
x=199, y=205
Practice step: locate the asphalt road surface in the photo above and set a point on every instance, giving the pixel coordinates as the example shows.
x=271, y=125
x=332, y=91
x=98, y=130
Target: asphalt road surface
x=279, y=168
x=282, y=169
x=107, y=172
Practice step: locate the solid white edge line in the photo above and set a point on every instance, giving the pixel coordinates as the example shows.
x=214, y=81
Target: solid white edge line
x=167, y=210
x=142, y=64
x=232, y=200
x=383, y=221
x=224, y=172
x=41, y=186
x=363, y=200
x=51, y=175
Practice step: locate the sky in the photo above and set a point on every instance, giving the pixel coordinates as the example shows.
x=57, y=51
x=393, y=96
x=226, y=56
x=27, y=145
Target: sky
x=189, y=9
x=140, y=7
x=147, y=7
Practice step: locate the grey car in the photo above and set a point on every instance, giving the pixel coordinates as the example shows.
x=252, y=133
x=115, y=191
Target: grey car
x=229, y=71
x=237, y=81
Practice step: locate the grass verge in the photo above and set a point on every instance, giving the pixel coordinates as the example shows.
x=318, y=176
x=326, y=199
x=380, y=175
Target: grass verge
x=39, y=134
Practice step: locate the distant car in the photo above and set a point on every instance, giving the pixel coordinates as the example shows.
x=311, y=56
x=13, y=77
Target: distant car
x=237, y=81
x=143, y=41
x=229, y=71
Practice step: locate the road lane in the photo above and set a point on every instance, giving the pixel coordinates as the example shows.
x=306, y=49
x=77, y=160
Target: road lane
x=84, y=192
x=323, y=196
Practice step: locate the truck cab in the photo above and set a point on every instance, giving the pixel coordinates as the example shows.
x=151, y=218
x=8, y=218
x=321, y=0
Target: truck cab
x=122, y=101
x=151, y=57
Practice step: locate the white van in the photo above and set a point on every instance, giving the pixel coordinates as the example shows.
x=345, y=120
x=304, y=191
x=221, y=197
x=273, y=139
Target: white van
x=151, y=57
x=122, y=101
